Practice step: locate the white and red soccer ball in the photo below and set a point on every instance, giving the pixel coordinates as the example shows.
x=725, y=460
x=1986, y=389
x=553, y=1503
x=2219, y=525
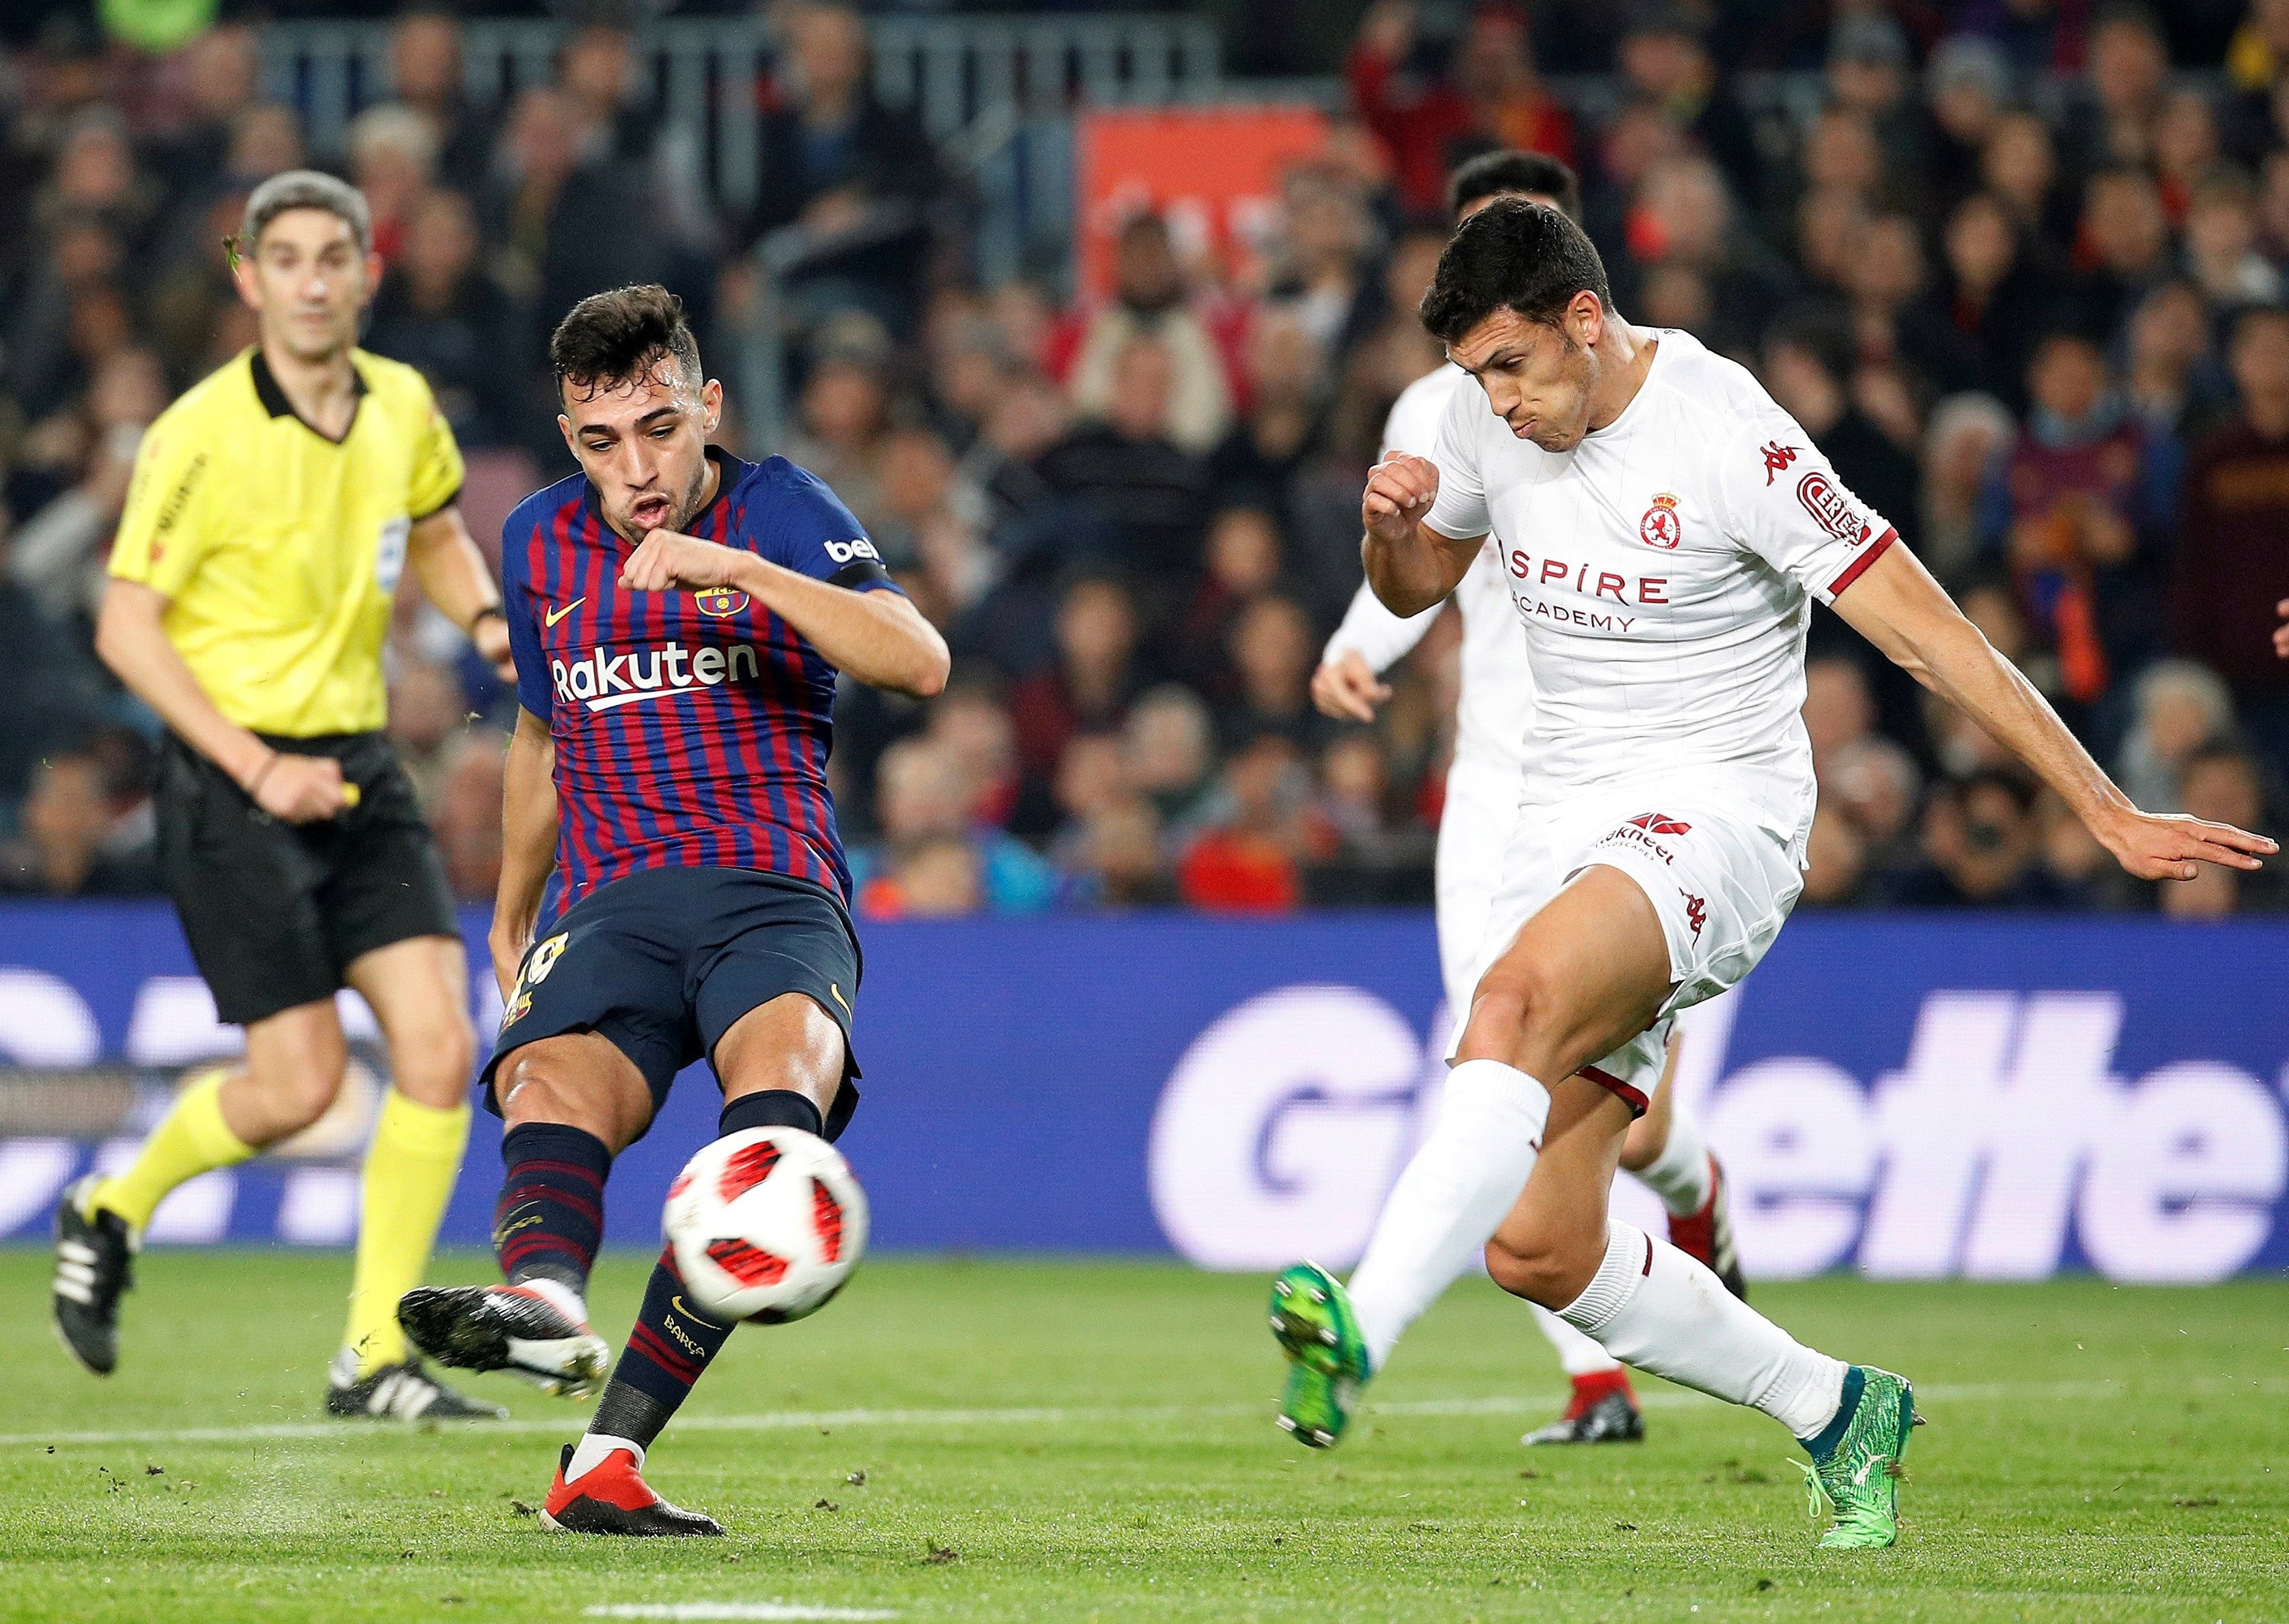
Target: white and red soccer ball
x=766, y=1224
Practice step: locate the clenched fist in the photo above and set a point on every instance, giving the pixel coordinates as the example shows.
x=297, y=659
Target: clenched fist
x=1399, y=491
x=669, y=559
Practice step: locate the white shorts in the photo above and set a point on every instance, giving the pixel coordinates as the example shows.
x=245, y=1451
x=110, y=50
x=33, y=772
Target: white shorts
x=1720, y=881
x=1474, y=828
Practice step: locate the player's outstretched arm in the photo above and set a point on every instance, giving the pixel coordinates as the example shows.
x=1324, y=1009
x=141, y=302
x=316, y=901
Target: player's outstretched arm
x=1411, y=567
x=879, y=637
x=527, y=843
x=1896, y=605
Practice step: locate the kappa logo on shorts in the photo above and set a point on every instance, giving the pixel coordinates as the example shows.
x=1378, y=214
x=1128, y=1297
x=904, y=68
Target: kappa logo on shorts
x=1696, y=911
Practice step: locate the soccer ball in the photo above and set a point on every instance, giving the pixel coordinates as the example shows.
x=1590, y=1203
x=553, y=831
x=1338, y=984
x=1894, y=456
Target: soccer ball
x=766, y=1224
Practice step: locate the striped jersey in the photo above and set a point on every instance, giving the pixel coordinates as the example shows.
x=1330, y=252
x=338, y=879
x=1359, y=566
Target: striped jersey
x=691, y=728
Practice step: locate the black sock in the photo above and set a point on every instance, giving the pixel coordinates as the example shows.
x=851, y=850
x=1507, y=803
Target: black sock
x=774, y=1108
x=669, y=1349
x=551, y=1216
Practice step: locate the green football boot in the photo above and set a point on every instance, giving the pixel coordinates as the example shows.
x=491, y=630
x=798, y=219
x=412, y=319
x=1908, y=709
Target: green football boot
x=1327, y=1358
x=1855, y=1461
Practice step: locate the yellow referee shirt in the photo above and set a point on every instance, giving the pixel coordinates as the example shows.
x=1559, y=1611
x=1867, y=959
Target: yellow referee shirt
x=279, y=550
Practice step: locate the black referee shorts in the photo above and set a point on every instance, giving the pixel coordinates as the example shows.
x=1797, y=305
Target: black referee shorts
x=276, y=911
x=664, y=962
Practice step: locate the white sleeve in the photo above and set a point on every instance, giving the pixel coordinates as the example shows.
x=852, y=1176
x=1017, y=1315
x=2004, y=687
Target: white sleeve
x=1459, y=511
x=1784, y=503
x=1374, y=634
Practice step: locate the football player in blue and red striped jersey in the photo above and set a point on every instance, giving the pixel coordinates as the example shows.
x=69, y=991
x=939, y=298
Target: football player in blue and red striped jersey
x=678, y=617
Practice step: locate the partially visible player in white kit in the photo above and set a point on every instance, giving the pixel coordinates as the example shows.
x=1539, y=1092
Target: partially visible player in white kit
x=1664, y=527
x=1665, y=1149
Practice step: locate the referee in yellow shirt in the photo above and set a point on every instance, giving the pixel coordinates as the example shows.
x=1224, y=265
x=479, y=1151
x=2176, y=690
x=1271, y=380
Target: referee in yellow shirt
x=273, y=509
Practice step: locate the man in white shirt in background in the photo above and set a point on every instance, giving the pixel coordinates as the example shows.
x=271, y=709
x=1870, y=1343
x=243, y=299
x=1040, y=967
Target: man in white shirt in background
x=1665, y=1149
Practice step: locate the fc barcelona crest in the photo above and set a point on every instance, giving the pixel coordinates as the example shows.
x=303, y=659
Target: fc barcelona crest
x=722, y=601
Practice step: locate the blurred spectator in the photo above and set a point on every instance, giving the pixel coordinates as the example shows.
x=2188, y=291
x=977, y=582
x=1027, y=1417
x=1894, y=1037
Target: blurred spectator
x=2124, y=248
x=440, y=311
x=1837, y=709
x=1980, y=838
x=1684, y=222
x=1243, y=564
x=1989, y=304
x=1246, y=859
x=937, y=876
x=1808, y=364
x=65, y=821
x=2020, y=168
x=1150, y=300
x=223, y=68
x=1968, y=83
x=1095, y=678
x=2180, y=708
x=2067, y=514
x=2232, y=560
x=1129, y=474
x=1169, y=749
x=1323, y=279
x=1667, y=69
x=845, y=412
x=2225, y=785
x=1272, y=650
x=1967, y=436
x=970, y=721
x=426, y=76
x=1834, y=862
x=1257, y=461
x=393, y=158
x=2126, y=69
x=1489, y=94
x=1874, y=785
x=2221, y=254
x=923, y=801
x=1115, y=857
x=853, y=181
x=1354, y=826
x=467, y=814
x=58, y=554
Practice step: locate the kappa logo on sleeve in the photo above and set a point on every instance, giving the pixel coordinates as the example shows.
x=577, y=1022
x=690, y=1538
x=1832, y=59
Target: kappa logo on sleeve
x=1830, y=508
x=1777, y=458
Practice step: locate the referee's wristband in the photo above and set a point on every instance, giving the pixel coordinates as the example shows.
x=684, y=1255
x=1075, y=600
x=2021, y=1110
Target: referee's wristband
x=491, y=611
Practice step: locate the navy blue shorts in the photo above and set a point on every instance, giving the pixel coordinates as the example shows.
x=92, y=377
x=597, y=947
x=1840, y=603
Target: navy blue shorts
x=665, y=961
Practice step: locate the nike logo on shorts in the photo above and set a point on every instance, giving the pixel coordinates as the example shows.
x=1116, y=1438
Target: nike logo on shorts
x=554, y=615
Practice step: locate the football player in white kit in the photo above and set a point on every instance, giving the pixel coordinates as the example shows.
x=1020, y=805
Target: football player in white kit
x=1665, y=1149
x=1663, y=526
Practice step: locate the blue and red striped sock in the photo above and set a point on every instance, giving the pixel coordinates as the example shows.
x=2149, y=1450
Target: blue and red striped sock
x=672, y=1344
x=551, y=1216
x=669, y=1347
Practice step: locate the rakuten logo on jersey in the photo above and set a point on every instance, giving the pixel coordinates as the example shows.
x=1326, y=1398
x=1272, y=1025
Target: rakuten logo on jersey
x=603, y=682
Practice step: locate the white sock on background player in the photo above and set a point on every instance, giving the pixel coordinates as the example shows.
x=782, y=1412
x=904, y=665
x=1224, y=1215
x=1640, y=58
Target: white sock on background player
x=1680, y=1174
x=1579, y=1354
x=1449, y=1199
x=1658, y=1309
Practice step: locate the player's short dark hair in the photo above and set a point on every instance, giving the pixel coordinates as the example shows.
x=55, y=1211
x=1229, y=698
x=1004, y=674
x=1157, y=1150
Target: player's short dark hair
x=1511, y=255
x=1508, y=173
x=612, y=338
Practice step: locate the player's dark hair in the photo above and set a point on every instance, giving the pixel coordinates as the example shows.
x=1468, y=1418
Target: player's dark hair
x=1511, y=255
x=1509, y=172
x=609, y=339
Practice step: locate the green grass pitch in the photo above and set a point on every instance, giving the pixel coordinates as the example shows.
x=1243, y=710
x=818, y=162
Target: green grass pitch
x=1055, y=1440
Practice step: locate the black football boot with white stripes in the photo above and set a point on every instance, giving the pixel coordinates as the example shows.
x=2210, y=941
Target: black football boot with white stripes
x=95, y=1262
x=404, y=1392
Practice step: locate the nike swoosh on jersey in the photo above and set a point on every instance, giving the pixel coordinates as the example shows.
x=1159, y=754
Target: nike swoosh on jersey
x=554, y=615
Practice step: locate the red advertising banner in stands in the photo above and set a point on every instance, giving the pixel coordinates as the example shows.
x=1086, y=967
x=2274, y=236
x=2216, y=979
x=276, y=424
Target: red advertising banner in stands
x=1213, y=172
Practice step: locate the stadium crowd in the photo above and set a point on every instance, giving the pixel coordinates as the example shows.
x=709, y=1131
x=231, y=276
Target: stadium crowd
x=2020, y=271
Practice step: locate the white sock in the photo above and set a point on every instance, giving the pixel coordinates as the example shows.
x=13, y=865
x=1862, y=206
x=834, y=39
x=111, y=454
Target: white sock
x=1578, y=1353
x=559, y=1296
x=1450, y=1199
x=592, y=1449
x=1679, y=1175
x=1656, y=1309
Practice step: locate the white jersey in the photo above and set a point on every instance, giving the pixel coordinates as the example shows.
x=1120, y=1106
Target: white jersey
x=1661, y=570
x=1498, y=686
